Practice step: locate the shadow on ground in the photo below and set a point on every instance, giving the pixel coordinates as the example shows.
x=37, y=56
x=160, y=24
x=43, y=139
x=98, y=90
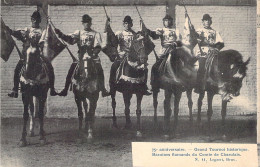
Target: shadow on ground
x=111, y=147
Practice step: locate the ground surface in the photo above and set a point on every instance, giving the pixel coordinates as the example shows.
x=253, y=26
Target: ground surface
x=111, y=147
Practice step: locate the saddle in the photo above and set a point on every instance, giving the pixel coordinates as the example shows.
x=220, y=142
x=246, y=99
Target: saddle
x=128, y=73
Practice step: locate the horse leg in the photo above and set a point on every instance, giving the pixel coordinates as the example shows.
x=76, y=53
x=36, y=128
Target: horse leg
x=201, y=96
x=91, y=117
x=167, y=113
x=32, y=116
x=127, y=98
x=23, y=141
x=80, y=114
x=155, y=104
x=190, y=104
x=41, y=116
x=177, y=98
x=223, y=114
x=113, y=95
x=85, y=105
x=210, y=110
x=139, y=98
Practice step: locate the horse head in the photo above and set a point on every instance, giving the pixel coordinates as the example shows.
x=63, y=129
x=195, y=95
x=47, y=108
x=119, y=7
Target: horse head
x=33, y=63
x=86, y=68
x=238, y=73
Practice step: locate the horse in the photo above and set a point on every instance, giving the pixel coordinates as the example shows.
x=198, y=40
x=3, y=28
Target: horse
x=225, y=76
x=227, y=69
x=129, y=78
x=85, y=86
x=34, y=87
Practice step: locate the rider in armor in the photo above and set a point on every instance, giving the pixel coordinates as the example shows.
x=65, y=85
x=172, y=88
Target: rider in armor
x=88, y=41
x=125, y=42
x=210, y=42
x=31, y=36
x=170, y=39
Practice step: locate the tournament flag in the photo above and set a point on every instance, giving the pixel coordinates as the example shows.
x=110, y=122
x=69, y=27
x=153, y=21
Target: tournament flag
x=148, y=44
x=7, y=42
x=110, y=42
x=52, y=46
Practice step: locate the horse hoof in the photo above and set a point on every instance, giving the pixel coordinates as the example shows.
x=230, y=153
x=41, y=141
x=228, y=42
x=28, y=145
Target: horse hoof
x=139, y=134
x=224, y=138
x=166, y=137
x=210, y=139
x=31, y=134
x=114, y=125
x=79, y=141
x=191, y=122
x=177, y=136
x=90, y=139
x=23, y=143
x=128, y=126
x=199, y=124
x=43, y=141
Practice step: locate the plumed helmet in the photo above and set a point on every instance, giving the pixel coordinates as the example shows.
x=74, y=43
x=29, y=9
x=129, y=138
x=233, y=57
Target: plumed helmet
x=36, y=15
x=167, y=17
x=86, y=18
x=206, y=17
x=128, y=19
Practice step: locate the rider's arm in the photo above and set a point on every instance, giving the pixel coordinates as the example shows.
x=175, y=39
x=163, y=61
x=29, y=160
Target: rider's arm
x=219, y=44
x=97, y=44
x=155, y=34
x=178, y=42
x=42, y=41
x=19, y=34
x=71, y=38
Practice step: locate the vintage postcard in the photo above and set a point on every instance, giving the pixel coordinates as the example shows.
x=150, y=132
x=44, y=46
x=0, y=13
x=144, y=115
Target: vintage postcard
x=129, y=83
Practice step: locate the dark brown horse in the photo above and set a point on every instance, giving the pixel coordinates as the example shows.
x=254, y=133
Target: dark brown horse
x=85, y=86
x=127, y=78
x=227, y=69
x=34, y=85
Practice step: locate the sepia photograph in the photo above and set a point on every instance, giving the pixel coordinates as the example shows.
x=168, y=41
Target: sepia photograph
x=129, y=83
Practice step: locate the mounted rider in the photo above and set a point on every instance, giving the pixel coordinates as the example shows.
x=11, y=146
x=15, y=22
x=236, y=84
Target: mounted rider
x=31, y=36
x=126, y=41
x=170, y=39
x=211, y=43
x=88, y=42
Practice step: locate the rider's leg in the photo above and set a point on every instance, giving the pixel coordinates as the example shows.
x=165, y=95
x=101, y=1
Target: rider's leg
x=64, y=92
x=17, y=71
x=113, y=70
x=51, y=78
x=101, y=79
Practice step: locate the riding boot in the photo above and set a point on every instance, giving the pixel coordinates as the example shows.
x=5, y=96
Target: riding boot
x=17, y=71
x=51, y=78
x=101, y=80
x=64, y=92
x=113, y=71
